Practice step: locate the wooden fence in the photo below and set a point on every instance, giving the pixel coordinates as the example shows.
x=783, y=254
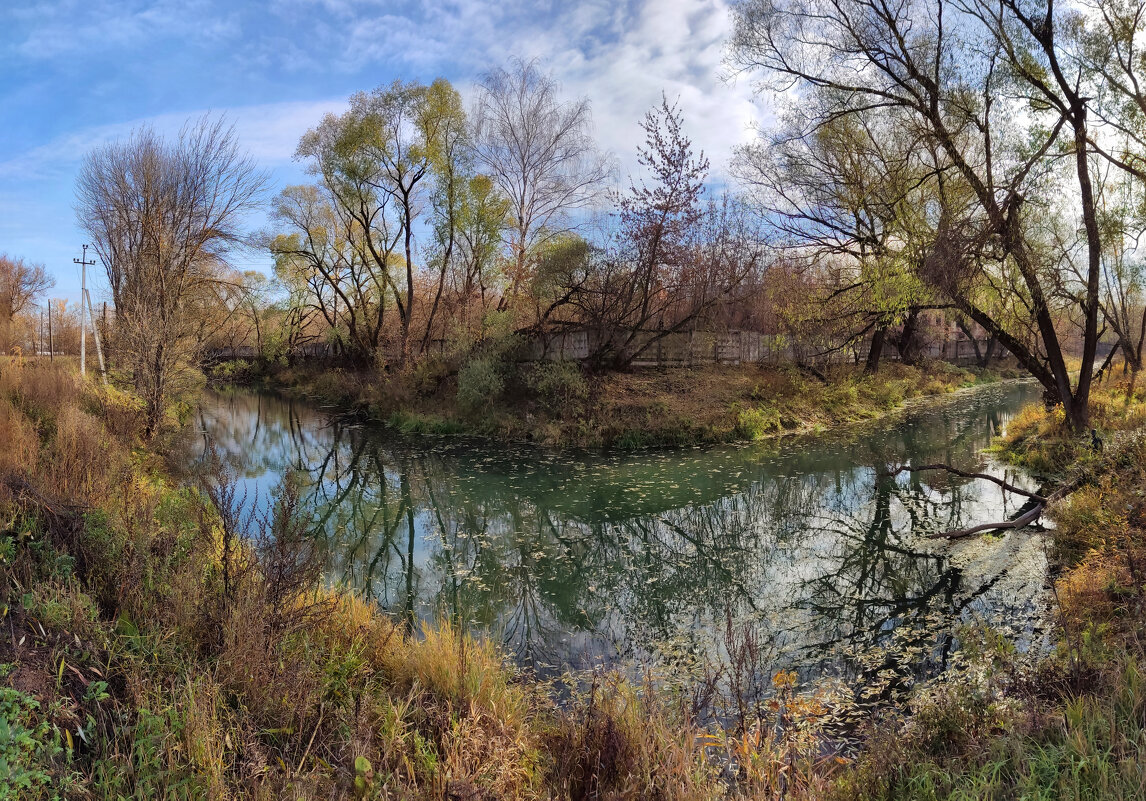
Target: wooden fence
x=684, y=349
x=689, y=348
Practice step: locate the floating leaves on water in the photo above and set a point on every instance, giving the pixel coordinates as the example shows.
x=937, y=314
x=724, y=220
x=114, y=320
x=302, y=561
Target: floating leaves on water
x=627, y=551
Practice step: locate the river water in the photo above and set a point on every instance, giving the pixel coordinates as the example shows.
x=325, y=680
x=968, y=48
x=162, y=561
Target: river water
x=574, y=559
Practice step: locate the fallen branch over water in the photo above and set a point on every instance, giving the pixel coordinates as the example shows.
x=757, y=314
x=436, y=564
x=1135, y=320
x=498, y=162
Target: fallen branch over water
x=1024, y=519
x=964, y=474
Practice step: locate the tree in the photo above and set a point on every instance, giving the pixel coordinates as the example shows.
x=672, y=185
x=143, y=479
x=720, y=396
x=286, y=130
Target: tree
x=992, y=90
x=163, y=218
x=395, y=153
x=674, y=257
x=20, y=284
x=481, y=220
x=540, y=153
x=845, y=198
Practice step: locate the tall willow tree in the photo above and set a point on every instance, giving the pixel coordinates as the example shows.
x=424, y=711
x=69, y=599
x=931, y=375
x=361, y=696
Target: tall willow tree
x=394, y=167
x=847, y=197
x=998, y=91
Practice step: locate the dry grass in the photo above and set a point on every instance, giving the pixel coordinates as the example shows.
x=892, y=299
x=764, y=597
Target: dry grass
x=205, y=658
x=20, y=453
x=205, y=661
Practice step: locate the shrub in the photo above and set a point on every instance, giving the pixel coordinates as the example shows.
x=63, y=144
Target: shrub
x=232, y=370
x=559, y=383
x=756, y=423
x=428, y=374
x=480, y=382
x=121, y=412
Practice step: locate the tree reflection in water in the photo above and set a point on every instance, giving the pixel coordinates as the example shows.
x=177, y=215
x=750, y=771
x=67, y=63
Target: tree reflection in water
x=574, y=559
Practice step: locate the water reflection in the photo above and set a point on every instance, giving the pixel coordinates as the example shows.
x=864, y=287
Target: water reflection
x=571, y=559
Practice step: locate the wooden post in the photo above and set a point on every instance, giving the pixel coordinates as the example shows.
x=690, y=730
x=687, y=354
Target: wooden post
x=51, y=343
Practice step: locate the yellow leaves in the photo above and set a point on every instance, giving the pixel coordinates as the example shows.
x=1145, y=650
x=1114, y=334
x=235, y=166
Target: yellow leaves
x=784, y=679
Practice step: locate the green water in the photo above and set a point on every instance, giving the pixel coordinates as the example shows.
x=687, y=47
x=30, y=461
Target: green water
x=575, y=559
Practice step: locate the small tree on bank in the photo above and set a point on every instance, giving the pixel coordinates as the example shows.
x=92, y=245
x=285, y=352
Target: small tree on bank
x=540, y=153
x=20, y=284
x=163, y=217
x=676, y=256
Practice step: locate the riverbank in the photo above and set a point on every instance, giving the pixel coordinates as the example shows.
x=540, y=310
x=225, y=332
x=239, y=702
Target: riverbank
x=1073, y=724
x=151, y=652
x=556, y=405
x=156, y=647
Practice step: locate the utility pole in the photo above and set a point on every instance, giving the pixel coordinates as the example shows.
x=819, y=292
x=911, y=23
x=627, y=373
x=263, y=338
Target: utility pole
x=51, y=341
x=95, y=332
x=83, y=262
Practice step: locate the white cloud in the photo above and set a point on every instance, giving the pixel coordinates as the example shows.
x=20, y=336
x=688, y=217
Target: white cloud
x=675, y=47
x=69, y=27
x=621, y=55
x=269, y=132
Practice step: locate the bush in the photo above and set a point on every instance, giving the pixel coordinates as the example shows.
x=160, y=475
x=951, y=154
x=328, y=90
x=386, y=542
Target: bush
x=757, y=423
x=232, y=370
x=480, y=382
x=560, y=382
x=428, y=375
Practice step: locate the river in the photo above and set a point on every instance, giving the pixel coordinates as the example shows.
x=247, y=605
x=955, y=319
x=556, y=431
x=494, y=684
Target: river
x=576, y=559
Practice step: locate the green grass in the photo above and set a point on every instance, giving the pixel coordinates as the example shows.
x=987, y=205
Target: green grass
x=413, y=423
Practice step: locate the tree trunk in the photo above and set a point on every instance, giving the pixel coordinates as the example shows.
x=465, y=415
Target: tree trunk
x=876, y=350
x=907, y=343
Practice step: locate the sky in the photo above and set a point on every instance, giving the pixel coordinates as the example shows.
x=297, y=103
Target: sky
x=75, y=74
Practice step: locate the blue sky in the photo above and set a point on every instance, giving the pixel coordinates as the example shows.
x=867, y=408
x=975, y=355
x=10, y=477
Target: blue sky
x=78, y=73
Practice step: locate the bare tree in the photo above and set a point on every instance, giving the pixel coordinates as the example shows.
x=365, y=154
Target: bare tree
x=163, y=217
x=540, y=153
x=20, y=284
x=674, y=258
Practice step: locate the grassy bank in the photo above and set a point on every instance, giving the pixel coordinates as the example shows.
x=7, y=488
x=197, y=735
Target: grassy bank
x=155, y=646
x=557, y=405
x=1071, y=725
